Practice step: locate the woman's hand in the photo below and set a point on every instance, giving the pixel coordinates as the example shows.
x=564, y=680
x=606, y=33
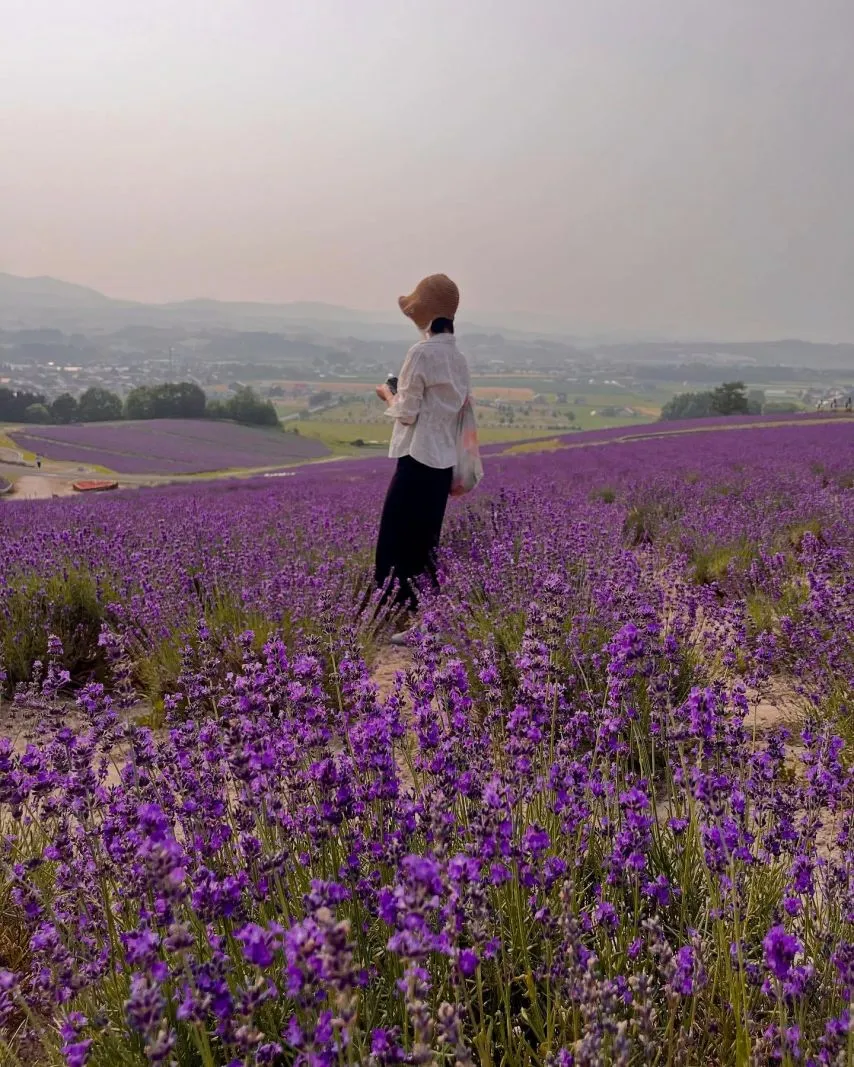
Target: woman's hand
x=384, y=393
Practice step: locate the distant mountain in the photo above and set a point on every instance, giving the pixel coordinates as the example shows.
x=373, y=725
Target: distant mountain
x=45, y=303
x=26, y=293
x=49, y=302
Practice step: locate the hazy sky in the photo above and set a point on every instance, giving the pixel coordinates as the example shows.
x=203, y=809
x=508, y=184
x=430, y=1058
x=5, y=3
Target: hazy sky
x=682, y=166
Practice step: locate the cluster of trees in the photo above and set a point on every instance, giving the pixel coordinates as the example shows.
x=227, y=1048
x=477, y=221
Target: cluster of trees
x=95, y=405
x=731, y=398
x=173, y=400
x=16, y=403
x=246, y=407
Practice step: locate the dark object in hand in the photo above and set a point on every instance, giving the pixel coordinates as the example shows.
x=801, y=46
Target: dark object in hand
x=391, y=382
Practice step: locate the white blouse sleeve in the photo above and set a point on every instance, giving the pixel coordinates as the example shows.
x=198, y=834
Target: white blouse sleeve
x=410, y=389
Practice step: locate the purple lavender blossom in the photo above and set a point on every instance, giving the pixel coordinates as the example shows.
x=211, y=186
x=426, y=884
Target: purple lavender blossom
x=780, y=949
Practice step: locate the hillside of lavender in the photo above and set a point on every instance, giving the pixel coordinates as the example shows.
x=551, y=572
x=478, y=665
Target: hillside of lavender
x=602, y=814
x=170, y=446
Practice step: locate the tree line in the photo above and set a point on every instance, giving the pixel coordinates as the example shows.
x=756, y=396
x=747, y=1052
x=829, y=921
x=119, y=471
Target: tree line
x=731, y=398
x=172, y=400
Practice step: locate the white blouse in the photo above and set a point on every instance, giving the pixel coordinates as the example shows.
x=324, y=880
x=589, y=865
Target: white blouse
x=432, y=387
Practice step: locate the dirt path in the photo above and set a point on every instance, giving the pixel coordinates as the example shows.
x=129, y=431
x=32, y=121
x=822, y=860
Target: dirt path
x=390, y=661
x=40, y=487
x=778, y=707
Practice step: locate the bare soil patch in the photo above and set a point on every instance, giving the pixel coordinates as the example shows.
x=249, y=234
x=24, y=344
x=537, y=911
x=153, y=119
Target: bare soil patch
x=390, y=661
x=40, y=487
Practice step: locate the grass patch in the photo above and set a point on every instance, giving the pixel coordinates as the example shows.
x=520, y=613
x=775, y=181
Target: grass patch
x=713, y=565
x=765, y=611
x=233, y=628
x=26, y=840
x=586, y=420
x=497, y=435
x=157, y=664
x=839, y=710
x=154, y=718
x=343, y=438
x=7, y=442
x=648, y=522
x=70, y=606
x=549, y=444
x=795, y=534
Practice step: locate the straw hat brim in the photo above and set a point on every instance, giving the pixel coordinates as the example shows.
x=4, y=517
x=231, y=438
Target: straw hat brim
x=435, y=297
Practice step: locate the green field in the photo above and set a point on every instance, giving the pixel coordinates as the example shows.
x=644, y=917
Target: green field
x=360, y=419
x=7, y=442
x=585, y=421
x=340, y=436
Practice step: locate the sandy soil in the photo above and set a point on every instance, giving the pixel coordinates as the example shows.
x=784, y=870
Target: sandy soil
x=779, y=707
x=40, y=487
x=390, y=660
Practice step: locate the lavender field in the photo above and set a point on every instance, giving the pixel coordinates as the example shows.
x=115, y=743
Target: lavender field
x=168, y=446
x=603, y=815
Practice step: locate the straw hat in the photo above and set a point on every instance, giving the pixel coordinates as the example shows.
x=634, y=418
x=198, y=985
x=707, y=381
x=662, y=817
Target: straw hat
x=435, y=297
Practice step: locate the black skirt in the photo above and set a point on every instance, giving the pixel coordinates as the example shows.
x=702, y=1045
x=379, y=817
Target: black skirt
x=410, y=528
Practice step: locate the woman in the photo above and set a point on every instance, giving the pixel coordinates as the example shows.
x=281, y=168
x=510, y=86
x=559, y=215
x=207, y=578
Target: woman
x=432, y=387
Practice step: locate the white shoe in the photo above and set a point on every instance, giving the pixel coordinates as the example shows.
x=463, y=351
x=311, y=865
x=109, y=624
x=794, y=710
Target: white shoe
x=402, y=639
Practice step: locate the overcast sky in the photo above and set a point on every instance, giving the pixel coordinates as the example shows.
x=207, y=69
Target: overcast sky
x=675, y=166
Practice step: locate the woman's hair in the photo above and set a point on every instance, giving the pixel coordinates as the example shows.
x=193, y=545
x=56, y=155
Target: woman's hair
x=442, y=326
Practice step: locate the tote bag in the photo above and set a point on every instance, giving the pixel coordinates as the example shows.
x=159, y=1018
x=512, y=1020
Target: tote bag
x=468, y=470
